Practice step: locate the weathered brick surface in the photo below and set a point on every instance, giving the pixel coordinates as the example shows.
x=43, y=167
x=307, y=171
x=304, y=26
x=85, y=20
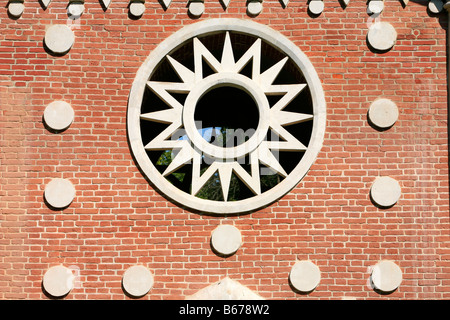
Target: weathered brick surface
x=117, y=219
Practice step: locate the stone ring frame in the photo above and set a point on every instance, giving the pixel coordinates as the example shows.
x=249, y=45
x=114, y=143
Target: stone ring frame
x=256, y=87
x=216, y=81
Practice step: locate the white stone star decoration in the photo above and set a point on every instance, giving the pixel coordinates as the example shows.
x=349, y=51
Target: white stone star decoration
x=226, y=73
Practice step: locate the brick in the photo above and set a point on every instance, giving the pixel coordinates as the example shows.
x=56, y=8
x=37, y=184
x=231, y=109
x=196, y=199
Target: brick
x=118, y=219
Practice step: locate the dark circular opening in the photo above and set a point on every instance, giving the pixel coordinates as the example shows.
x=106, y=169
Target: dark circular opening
x=226, y=116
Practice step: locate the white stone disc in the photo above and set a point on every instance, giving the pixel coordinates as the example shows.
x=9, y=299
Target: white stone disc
x=225, y=289
x=376, y=6
x=196, y=8
x=58, y=281
x=75, y=9
x=59, y=38
x=226, y=239
x=386, y=276
x=16, y=8
x=382, y=36
x=304, y=276
x=435, y=6
x=385, y=191
x=254, y=8
x=137, y=8
x=137, y=281
x=59, y=193
x=58, y=115
x=383, y=113
x=316, y=6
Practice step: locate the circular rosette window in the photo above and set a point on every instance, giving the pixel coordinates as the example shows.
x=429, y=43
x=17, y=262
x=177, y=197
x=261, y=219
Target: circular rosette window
x=226, y=116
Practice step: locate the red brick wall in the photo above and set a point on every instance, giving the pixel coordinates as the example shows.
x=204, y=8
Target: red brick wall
x=118, y=220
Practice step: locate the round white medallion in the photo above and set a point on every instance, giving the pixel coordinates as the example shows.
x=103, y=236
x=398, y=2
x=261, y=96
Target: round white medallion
x=137, y=281
x=435, y=6
x=59, y=38
x=75, y=9
x=385, y=191
x=376, y=6
x=16, y=9
x=254, y=7
x=383, y=113
x=58, y=115
x=316, y=6
x=59, y=193
x=382, y=36
x=137, y=8
x=196, y=8
x=58, y=281
x=386, y=276
x=304, y=276
x=226, y=239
